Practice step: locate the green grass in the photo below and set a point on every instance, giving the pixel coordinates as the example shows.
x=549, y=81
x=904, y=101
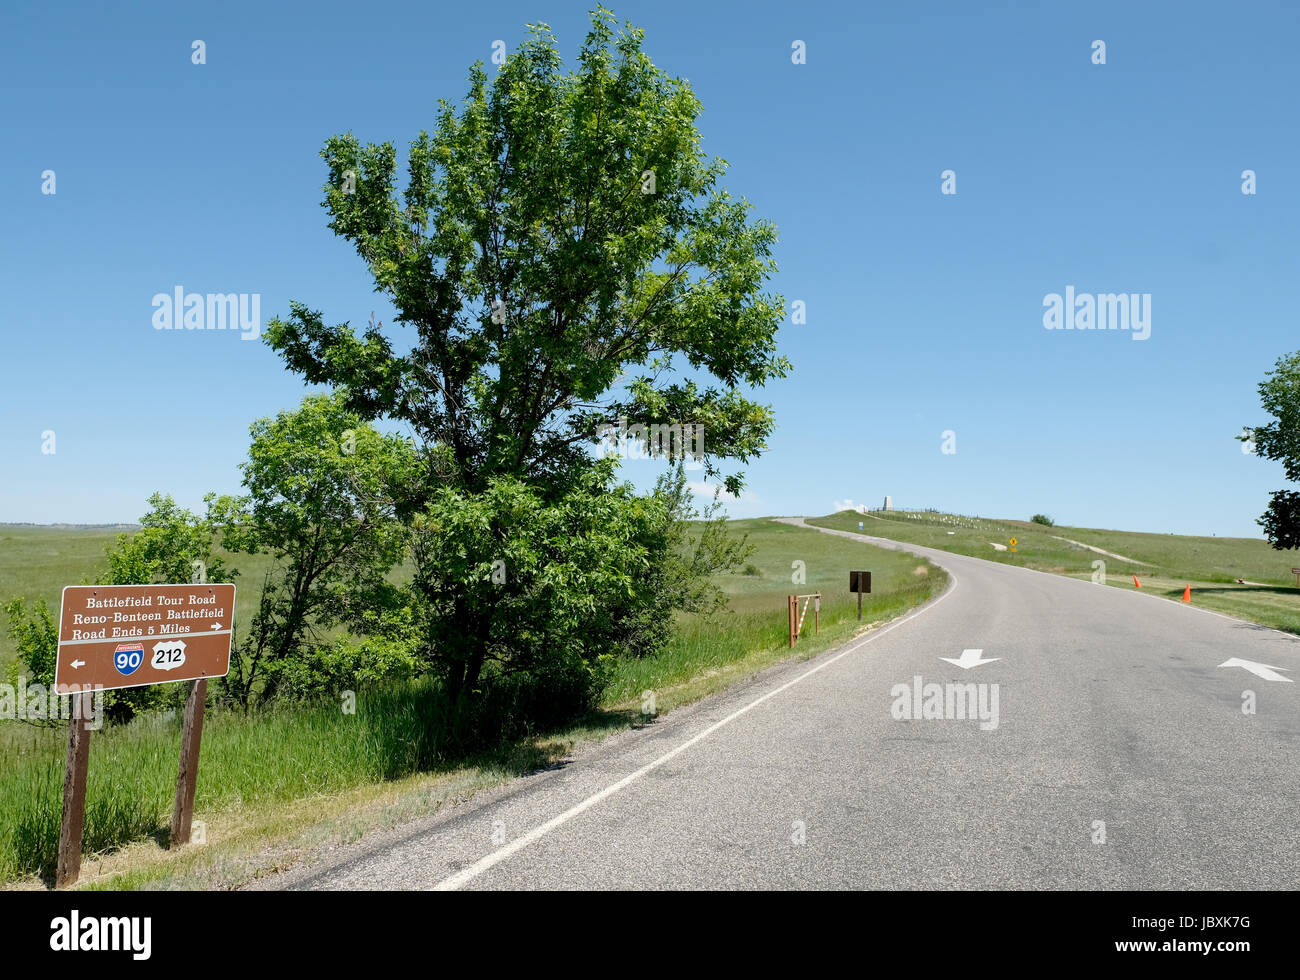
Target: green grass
x=755, y=621
x=1211, y=566
x=268, y=757
x=274, y=759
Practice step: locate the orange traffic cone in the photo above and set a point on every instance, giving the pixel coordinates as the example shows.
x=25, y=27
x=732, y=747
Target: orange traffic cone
x=1187, y=594
x=1136, y=583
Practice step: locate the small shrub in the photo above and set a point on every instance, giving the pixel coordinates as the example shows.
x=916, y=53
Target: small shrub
x=1042, y=519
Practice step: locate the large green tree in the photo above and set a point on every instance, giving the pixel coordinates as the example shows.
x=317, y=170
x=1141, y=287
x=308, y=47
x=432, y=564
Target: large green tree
x=1279, y=440
x=563, y=257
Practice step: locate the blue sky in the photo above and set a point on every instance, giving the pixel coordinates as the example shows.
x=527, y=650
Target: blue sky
x=924, y=311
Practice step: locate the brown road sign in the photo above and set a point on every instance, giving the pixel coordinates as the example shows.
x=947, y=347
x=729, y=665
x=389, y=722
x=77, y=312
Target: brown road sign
x=133, y=635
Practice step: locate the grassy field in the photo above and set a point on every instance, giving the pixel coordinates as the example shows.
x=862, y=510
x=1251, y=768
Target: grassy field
x=281, y=774
x=755, y=623
x=1164, y=563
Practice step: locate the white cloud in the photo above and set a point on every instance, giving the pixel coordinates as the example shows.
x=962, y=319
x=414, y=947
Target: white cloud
x=847, y=504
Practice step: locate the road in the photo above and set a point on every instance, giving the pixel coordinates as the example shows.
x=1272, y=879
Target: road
x=1121, y=758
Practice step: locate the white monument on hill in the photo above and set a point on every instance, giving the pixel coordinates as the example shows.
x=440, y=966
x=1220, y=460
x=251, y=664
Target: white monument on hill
x=889, y=504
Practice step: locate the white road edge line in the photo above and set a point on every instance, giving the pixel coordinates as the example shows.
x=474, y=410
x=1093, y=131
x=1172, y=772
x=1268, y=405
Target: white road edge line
x=537, y=833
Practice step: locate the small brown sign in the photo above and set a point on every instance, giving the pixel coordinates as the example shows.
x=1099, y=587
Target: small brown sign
x=113, y=636
x=859, y=581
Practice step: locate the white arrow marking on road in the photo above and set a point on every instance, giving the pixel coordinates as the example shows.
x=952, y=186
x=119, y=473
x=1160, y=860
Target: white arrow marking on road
x=1259, y=670
x=969, y=659
x=78, y=663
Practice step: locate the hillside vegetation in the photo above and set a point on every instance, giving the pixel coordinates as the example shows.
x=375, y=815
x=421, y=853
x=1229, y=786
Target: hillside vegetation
x=1165, y=564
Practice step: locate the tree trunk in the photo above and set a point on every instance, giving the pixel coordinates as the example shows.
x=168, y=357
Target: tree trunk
x=473, y=668
x=455, y=682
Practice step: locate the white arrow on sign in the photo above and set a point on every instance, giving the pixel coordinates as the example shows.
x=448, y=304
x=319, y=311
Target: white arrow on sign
x=1259, y=670
x=216, y=626
x=969, y=659
x=77, y=664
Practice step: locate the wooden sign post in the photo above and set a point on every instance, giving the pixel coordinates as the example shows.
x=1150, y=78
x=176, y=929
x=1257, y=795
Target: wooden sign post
x=187, y=775
x=115, y=636
x=74, y=791
x=1296, y=572
x=859, y=582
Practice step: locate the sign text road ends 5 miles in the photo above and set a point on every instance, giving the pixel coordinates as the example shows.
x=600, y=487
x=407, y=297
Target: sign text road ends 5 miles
x=114, y=636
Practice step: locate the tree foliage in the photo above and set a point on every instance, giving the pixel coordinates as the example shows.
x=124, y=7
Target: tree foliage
x=1279, y=440
x=534, y=271
x=1281, y=522
x=562, y=257
x=172, y=545
x=319, y=503
x=36, y=638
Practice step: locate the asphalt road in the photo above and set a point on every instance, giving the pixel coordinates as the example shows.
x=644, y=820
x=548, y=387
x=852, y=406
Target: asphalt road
x=1121, y=758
